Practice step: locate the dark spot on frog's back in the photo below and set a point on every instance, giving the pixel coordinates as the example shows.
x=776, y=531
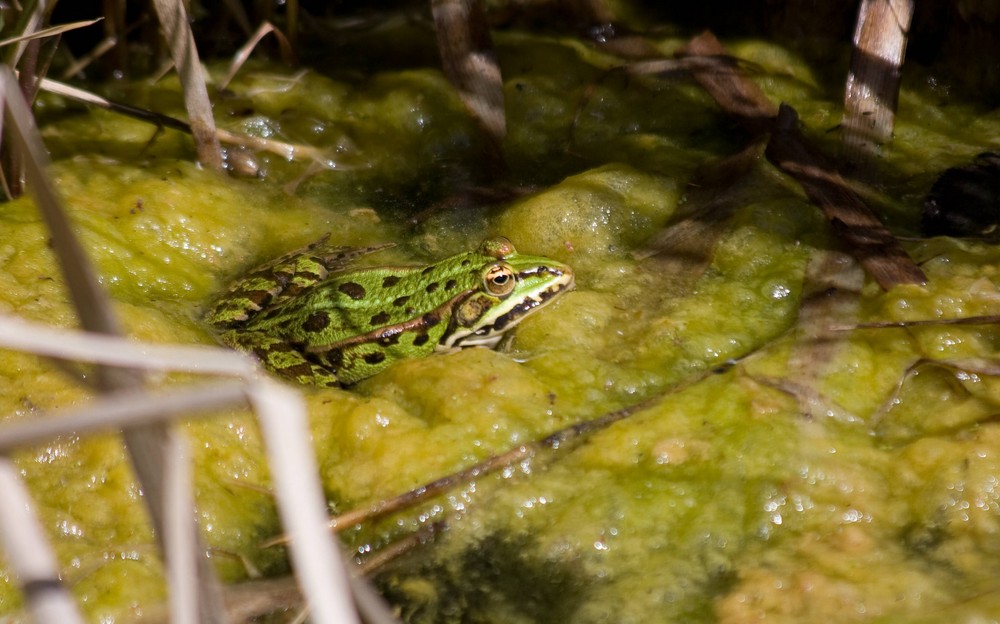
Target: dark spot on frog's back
x=380, y=319
x=430, y=320
x=401, y=301
x=389, y=281
x=428, y=270
x=263, y=353
x=298, y=371
x=334, y=358
x=259, y=298
x=292, y=290
x=375, y=358
x=353, y=290
x=420, y=339
x=431, y=287
x=450, y=284
x=317, y=321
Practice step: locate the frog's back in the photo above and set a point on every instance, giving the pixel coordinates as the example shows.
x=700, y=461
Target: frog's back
x=357, y=302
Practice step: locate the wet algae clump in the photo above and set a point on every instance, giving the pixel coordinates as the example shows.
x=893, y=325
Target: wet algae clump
x=845, y=478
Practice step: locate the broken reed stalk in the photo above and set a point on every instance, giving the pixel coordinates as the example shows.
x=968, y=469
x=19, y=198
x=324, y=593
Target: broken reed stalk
x=49, y=32
x=145, y=445
x=864, y=236
x=279, y=410
x=241, y=56
x=872, y=89
x=180, y=39
x=285, y=150
x=23, y=54
x=282, y=415
x=27, y=551
x=470, y=64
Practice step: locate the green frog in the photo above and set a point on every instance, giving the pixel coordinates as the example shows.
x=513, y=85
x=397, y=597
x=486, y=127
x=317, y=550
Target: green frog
x=316, y=317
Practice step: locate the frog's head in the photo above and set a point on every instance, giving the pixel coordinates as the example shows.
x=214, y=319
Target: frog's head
x=511, y=286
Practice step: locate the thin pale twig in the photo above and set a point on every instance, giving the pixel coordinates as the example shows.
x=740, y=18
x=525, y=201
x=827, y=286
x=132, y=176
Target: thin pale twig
x=400, y=547
x=289, y=151
x=282, y=414
x=180, y=534
x=283, y=419
x=106, y=44
x=77, y=346
x=119, y=411
x=988, y=319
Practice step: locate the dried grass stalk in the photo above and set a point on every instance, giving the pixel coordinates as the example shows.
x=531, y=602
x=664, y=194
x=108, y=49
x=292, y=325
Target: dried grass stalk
x=89, y=300
x=318, y=564
x=27, y=551
x=120, y=411
x=872, y=89
x=49, y=32
x=180, y=534
x=145, y=445
x=173, y=19
x=319, y=158
x=243, y=53
x=65, y=344
x=283, y=418
x=470, y=63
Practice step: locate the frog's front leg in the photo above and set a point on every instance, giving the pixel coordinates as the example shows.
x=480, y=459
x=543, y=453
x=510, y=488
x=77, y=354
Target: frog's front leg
x=280, y=357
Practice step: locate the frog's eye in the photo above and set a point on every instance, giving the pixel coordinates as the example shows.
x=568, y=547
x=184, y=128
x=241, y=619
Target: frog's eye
x=499, y=280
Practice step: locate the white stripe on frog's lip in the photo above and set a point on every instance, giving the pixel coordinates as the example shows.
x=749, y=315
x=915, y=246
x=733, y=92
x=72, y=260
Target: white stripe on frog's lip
x=490, y=335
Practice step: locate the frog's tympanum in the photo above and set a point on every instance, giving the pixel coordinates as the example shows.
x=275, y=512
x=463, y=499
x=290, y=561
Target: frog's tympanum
x=316, y=317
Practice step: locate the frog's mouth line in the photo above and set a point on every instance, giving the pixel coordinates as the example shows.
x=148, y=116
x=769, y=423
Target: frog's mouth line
x=489, y=335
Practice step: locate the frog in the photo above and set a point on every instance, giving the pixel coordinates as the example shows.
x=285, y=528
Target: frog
x=319, y=317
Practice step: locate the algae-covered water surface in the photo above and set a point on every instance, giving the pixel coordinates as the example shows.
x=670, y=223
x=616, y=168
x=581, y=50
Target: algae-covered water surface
x=778, y=472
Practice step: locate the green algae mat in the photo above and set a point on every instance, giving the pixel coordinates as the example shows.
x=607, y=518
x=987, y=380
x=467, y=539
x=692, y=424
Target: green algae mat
x=776, y=473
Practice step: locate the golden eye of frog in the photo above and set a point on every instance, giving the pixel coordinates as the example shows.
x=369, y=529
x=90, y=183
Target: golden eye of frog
x=315, y=317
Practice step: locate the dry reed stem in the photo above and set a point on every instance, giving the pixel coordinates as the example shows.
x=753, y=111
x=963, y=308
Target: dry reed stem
x=49, y=32
x=145, y=445
x=180, y=533
x=872, y=89
x=177, y=30
x=470, y=64
x=28, y=552
x=322, y=159
x=283, y=419
x=79, y=346
x=243, y=53
x=277, y=407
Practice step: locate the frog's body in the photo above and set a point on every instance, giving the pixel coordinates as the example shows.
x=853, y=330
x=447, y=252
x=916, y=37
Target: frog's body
x=315, y=317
